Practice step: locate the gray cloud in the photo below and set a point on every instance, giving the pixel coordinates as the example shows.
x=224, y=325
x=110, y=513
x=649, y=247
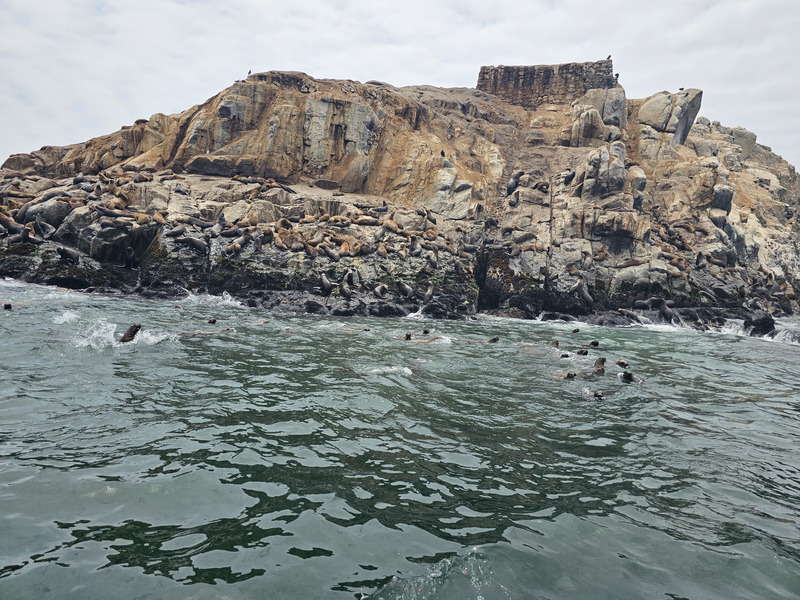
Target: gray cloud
x=79, y=69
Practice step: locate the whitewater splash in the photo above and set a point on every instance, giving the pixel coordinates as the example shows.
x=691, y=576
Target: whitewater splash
x=68, y=316
x=210, y=300
x=103, y=334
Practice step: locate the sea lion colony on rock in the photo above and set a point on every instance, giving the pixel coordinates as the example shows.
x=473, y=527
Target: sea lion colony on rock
x=590, y=220
x=319, y=235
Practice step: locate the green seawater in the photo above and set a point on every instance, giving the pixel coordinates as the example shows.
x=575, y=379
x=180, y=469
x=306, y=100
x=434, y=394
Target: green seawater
x=315, y=457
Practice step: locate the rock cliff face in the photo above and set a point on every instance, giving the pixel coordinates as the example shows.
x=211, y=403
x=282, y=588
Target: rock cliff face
x=544, y=189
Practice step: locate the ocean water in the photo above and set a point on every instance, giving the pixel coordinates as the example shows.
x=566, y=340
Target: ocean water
x=273, y=456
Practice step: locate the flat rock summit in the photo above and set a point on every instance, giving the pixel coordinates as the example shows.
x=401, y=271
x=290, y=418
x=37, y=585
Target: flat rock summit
x=542, y=192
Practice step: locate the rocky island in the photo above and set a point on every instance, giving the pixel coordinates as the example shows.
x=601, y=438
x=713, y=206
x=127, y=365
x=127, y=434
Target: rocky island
x=542, y=191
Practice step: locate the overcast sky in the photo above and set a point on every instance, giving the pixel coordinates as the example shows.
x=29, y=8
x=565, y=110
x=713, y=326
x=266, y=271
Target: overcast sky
x=75, y=69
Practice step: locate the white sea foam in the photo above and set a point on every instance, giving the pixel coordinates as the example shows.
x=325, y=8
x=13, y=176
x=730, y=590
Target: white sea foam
x=391, y=369
x=68, y=316
x=208, y=300
x=788, y=336
x=99, y=335
x=103, y=334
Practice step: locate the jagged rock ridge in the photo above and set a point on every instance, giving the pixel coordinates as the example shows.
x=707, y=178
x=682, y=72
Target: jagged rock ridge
x=284, y=178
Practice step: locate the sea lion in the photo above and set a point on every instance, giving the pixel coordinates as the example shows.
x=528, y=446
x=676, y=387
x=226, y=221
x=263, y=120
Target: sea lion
x=406, y=290
x=221, y=224
x=130, y=333
x=345, y=289
x=665, y=311
x=630, y=314
x=325, y=285
x=542, y=186
x=599, y=367
x=176, y=231
x=195, y=243
x=414, y=248
x=7, y=306
x=433, y=259
x=428, y=294
x=628, y=377
x=332, y=254
x=43, y=228
x=580, y=288
x=68, y=254
x=513, y=182
x=380, y=291
x=201, y=223
x=130, y=257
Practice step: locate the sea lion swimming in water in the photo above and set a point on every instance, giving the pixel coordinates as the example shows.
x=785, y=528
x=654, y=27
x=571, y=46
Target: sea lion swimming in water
x=130, y=333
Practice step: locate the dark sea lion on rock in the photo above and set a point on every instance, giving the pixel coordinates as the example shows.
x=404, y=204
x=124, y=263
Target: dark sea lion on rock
x=580, y=288
x=68, y=254
x=325, y=285
x=17, y=238
x=513, y=182
x=345, y=289
x=406, y=290
x=43, y=228
x=195, y=243
x=201, y=223
x=130, y=333
x=665, y=311
x=130, y=258
x=630, y=314
x=428, y=294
